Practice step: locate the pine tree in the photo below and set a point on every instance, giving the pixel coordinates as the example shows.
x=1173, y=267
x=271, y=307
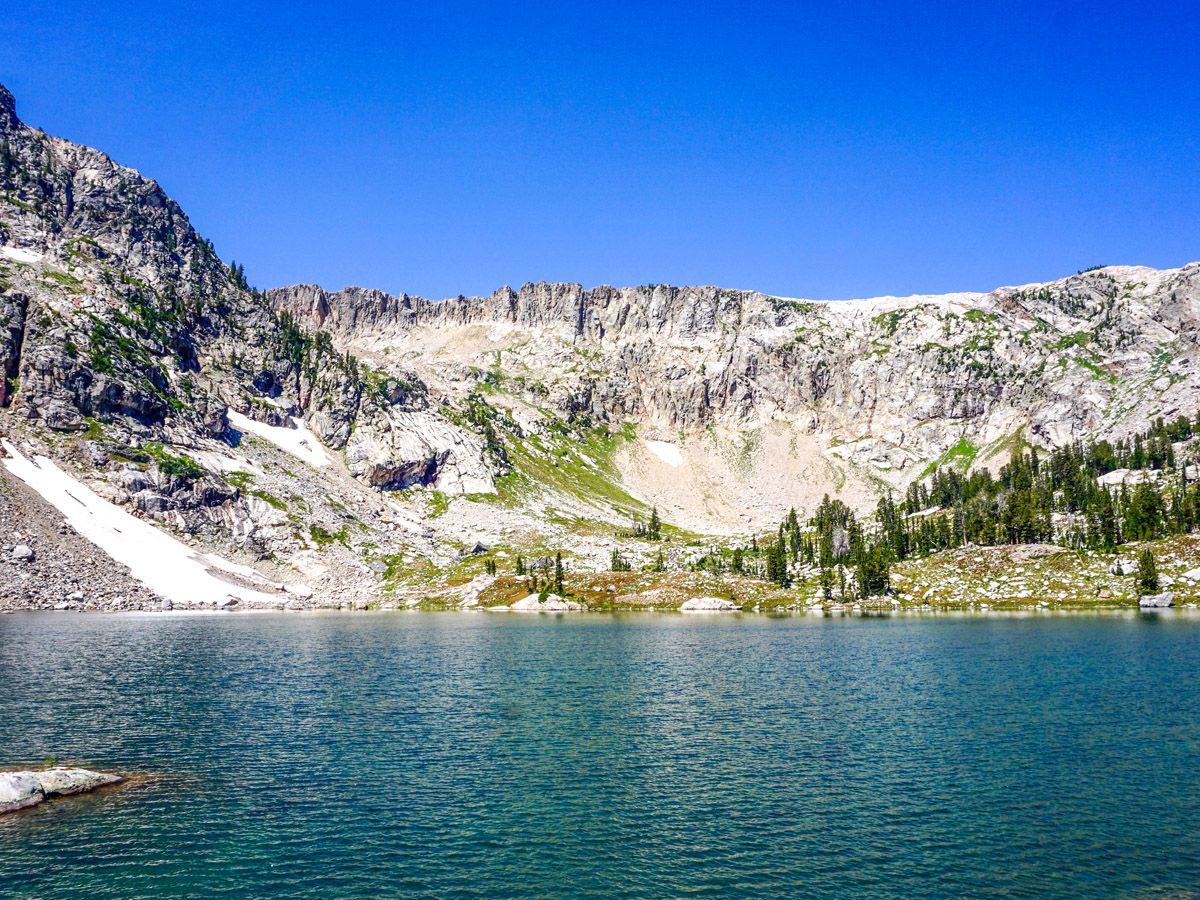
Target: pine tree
x=1147, y=573
x=777, y=564
x=520, y=565
x=654, y=528
x=825, y=579
x=617, y=563
x=872, y=575
x=558, y=573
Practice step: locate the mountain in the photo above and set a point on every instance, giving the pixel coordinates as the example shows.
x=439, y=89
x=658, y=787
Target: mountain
x=758, y=403
x=363, y=447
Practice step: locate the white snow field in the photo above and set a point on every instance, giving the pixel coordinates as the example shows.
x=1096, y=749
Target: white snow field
x=19, y=254
x=299, y=441
x=667, y=452
x=163, y=563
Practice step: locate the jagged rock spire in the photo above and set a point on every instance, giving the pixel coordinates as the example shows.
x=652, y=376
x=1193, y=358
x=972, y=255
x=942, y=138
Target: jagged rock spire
x=8, y=108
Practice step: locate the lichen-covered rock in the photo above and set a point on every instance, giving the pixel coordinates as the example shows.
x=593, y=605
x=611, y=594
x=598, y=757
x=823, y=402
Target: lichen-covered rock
x=59, y=781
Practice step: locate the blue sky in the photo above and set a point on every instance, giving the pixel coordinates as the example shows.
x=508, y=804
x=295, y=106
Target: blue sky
x=819, y=150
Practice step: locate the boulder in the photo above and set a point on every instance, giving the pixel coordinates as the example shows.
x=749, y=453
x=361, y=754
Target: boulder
x=22, y=553
x=303, y=591
x=1157, y=601
x=552, y=603
x=708, y=604
x=561, y=604
x=19, y=790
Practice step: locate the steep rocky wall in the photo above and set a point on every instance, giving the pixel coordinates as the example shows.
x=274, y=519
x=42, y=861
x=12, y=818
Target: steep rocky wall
x=1100, y=352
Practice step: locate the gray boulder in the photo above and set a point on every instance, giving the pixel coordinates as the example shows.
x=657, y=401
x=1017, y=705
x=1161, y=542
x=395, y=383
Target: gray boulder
x=1157, y=601
x=22, y=553
x=552, y=603
x=708, y=604
x=19, y=790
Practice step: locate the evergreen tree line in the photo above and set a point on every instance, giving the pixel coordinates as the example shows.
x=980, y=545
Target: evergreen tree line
x=1037, y=497
x=1057, y=497
x=544, y=574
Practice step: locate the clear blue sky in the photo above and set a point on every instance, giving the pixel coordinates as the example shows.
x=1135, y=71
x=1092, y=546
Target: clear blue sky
x=817, y=150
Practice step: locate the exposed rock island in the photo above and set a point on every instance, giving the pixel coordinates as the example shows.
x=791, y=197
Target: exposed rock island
x=20, y=790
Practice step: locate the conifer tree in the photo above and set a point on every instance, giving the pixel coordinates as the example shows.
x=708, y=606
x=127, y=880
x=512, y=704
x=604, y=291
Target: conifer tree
x=1147, y=573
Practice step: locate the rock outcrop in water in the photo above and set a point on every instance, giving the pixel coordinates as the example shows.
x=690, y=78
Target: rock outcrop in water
x=20, y=790
x=552, y=603
x=708, y=604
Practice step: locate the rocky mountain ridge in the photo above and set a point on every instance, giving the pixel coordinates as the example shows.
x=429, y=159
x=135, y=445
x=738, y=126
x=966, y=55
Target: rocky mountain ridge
x=365, y=443
x=878, y=388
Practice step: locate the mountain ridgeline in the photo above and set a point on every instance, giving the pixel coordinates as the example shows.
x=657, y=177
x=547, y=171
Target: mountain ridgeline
x=371, y=442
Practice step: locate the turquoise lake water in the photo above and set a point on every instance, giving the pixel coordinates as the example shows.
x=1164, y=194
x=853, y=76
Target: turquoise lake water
x=477, y=755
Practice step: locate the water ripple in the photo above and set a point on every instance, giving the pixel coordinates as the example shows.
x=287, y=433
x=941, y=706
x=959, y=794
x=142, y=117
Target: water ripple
x=486, y=756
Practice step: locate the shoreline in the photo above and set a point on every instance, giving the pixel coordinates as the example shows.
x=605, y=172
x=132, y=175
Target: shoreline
x=880, y=613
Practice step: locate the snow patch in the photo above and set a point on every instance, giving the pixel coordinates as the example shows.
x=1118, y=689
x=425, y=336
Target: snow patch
x=667, y=452
x=299, y=441
x=163, y=563
x=20, y=254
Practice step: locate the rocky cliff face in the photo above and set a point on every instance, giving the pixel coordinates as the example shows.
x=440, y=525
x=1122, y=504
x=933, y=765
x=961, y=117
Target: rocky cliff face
x=125, y=341
x=880, y=387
